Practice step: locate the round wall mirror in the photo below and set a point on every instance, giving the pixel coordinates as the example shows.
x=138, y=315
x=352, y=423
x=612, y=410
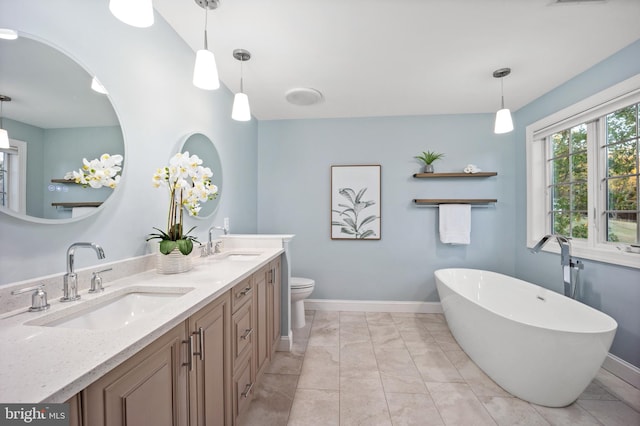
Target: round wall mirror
x=203, y=147
x=54, y=121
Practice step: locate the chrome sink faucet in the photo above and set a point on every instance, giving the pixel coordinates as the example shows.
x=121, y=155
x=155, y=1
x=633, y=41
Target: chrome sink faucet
x=567, y=262
x=70, y=288
x=211, y=248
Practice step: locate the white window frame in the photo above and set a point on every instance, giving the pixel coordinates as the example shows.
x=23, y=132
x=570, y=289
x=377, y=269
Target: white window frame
x=538, y=220
x=17, y=177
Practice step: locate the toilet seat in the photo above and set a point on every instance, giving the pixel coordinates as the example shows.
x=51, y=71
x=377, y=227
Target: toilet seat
x=300, y=283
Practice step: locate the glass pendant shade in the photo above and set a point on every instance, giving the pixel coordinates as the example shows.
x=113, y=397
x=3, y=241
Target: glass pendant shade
x=7, y=34
x=137, y=13
x=504, y=123
x=241, y=110
x=4, y=139
x=96, y=86
x=205, y=72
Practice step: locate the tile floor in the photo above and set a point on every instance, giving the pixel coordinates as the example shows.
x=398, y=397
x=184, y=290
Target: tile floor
x=356, y=368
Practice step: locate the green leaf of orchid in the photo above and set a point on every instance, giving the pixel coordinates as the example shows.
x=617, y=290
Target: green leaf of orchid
x=185, y=246
x=167, y=246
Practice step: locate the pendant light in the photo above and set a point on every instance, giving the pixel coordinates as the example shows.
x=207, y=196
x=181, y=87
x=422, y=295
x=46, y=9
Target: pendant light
x=137, y=13
x=504, y=123
x=96, y=86
x=205, y=71
x=241, y=110
x=4, y=135
x=8, y=34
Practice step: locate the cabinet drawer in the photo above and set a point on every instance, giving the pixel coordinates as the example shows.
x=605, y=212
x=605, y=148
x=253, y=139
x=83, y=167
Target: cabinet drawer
x=243, y=387
x=243, y=332
x=241, y=293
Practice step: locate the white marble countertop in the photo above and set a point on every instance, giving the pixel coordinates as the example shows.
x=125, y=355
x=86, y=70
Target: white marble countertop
x=51, y=364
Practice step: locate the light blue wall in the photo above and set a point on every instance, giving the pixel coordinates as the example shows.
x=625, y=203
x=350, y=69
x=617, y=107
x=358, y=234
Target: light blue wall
x=295, y=157
x=148, y=75
x=613, y=290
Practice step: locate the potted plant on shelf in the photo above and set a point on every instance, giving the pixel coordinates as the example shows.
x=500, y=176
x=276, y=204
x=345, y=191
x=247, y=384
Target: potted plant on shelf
x=428, y=157
x=189, y=185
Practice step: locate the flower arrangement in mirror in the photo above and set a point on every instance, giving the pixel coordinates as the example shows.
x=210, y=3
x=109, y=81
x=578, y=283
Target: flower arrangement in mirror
x=99, y=172
x=189, y=185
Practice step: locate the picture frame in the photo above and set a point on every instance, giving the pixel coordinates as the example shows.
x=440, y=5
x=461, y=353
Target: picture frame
x=356, y=202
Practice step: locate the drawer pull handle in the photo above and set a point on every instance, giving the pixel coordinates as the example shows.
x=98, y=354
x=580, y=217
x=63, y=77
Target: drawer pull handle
x=247, y=333
x=247, y=390
x=244, y=292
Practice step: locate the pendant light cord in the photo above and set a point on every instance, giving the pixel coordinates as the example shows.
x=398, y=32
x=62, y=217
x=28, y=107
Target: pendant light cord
x=502, y=92
x=206, y=14
x=241, y=76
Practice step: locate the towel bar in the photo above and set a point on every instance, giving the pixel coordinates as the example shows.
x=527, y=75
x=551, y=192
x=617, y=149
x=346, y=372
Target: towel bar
x=475, y=202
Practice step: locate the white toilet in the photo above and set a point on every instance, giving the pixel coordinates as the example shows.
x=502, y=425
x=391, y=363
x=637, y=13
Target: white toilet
x=301, y=288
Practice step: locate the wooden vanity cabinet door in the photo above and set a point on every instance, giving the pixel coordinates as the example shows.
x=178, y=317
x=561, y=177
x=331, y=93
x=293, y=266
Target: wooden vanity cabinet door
x=274, y=295
x=150, y=388
x=210, y=379
x=75, y=410
x=261, y=352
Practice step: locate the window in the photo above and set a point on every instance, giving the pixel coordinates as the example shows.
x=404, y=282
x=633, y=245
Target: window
x=4, y=178
x=620, y=149
x=583, y=176
x=568, y=186
x=13, y=168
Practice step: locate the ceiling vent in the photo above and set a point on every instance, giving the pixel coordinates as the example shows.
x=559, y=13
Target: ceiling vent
x=303, y=96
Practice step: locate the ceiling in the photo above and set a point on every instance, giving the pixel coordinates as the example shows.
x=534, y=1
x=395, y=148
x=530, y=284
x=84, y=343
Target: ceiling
x=403, y=57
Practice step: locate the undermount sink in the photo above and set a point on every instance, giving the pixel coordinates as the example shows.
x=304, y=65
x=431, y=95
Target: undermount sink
x=243, y=257
x=238, y=255
x=115, y=310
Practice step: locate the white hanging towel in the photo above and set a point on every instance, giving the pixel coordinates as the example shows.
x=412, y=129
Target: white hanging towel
x=81, y=211
x=455, y=223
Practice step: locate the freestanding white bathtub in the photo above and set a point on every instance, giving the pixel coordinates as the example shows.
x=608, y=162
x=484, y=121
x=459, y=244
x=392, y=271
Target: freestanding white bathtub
x=537, y=344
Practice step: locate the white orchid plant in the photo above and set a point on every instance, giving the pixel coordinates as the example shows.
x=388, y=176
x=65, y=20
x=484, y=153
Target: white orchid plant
x=189, y=185
x=99, y=172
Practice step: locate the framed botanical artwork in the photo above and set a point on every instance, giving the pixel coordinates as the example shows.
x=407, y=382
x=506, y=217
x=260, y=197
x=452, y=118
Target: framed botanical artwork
x=355, y=202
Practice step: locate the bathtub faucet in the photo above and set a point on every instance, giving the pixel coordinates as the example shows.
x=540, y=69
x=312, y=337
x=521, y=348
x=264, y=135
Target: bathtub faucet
x=567, y=262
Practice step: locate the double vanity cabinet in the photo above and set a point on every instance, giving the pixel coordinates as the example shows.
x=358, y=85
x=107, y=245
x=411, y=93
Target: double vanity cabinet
x=201, y=372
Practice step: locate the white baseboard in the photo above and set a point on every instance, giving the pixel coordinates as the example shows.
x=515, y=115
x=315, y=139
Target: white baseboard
x=622, y=369
x=285, y=343
x=372, y=306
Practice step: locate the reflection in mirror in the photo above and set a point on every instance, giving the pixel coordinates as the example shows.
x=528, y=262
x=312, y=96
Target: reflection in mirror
x=203, y=147
x=54, y=121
